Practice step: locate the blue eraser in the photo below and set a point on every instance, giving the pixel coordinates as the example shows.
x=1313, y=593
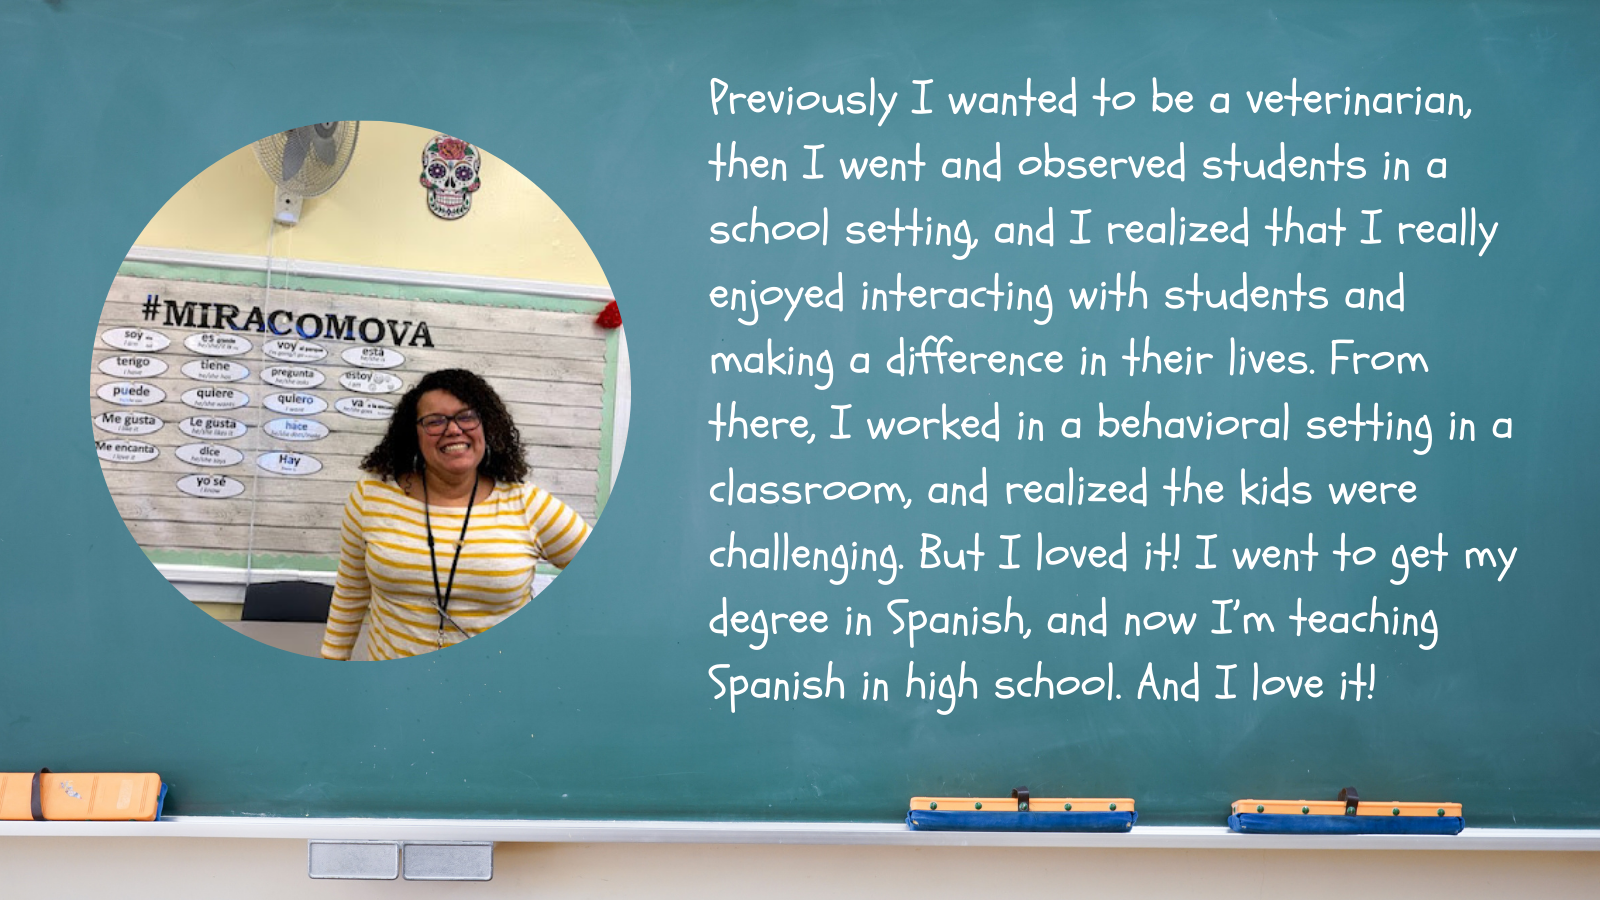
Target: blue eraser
x=1260, y=823
x=941, y=820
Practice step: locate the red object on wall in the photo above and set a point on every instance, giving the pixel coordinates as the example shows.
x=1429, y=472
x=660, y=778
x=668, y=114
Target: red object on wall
x=610, y=317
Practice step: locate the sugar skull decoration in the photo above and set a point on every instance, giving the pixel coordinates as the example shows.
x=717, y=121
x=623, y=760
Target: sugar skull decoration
x=450, y=173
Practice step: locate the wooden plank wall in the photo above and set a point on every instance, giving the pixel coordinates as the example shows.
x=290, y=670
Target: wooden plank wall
x=549, y=367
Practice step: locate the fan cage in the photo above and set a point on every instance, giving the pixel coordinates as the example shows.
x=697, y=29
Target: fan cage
x=314, y=177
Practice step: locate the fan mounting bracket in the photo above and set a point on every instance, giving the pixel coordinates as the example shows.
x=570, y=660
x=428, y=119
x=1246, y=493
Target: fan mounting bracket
x=286, y=207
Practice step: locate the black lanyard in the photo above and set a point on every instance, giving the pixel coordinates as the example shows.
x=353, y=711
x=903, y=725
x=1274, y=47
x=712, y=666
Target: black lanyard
x=441, y=598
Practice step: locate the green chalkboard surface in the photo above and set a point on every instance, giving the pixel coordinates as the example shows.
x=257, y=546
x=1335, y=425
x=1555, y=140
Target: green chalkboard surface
x=1392, y=371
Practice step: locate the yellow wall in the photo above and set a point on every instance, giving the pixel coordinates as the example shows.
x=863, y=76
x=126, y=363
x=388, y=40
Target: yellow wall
x=377, y=215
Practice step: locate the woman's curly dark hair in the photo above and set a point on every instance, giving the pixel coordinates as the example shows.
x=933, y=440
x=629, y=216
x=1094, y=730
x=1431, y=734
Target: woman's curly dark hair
x=398, y=453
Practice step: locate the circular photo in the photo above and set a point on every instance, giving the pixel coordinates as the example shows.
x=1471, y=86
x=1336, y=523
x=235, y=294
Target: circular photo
x=360, y=390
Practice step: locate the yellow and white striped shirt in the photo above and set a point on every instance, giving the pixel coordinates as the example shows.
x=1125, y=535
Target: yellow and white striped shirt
x=386, y=578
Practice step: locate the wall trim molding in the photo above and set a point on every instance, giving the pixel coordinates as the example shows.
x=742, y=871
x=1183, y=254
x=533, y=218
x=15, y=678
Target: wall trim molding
x=316, y=269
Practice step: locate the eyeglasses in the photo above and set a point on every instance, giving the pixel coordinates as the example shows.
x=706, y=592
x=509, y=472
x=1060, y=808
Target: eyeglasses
x=466, y=420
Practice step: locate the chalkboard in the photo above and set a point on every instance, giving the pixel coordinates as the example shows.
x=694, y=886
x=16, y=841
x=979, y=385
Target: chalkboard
x=602, y=700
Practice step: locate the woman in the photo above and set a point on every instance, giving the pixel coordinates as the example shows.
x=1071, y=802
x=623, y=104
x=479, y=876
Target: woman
x=441, y=543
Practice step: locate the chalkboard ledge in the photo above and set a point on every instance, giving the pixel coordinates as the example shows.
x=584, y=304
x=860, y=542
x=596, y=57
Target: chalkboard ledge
x=867, y=833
